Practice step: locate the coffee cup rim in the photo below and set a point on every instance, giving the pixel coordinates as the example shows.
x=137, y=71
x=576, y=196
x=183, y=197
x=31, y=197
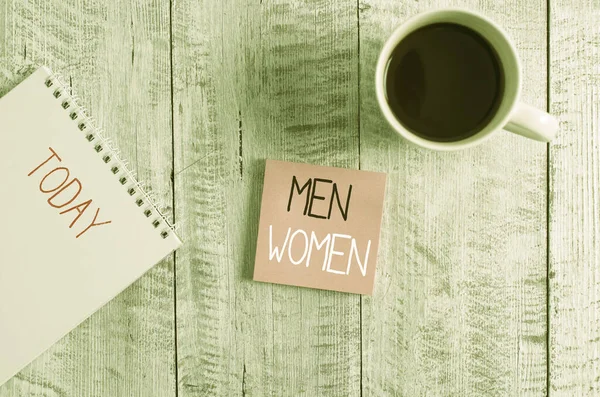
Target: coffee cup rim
x=509, y=55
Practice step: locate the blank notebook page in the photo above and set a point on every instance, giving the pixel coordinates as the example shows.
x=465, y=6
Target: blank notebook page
x=73, y=237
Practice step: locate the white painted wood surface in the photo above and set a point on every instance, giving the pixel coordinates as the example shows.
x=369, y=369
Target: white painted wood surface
x=575, y=199
x=198, y=93
x=257, y=80
x=460, y=301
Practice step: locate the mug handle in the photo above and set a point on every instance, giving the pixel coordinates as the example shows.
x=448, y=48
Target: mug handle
x=532, y=123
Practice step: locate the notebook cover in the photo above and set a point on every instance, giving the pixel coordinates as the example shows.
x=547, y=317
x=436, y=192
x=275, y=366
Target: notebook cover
x=61, y=259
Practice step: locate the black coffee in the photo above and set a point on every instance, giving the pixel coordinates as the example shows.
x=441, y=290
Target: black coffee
x=444, y=82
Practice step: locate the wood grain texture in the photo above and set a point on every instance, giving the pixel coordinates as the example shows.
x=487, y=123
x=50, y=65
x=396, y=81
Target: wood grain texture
x=575, y=199
x=460, y=302
x=116, y=56
x=459, y=307
x=255, y=80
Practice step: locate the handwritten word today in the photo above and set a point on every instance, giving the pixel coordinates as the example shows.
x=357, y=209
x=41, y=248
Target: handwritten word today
x=64, y=192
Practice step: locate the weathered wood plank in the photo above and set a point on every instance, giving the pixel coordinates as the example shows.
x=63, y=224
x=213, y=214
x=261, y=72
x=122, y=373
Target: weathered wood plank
x=255, y=80
x=574, y=199
x=116, y=55
x=459, y=307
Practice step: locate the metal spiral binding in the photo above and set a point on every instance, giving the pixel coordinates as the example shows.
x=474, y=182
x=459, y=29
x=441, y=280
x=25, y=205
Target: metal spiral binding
x=108, y=153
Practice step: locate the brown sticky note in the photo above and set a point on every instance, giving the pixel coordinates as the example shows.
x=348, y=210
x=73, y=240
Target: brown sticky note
x=319, y=227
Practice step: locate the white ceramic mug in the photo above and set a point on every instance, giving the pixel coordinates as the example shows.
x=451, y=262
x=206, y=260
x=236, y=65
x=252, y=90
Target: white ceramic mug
x=511, y=114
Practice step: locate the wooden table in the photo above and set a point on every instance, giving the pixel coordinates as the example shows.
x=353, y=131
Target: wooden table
x=489, y=268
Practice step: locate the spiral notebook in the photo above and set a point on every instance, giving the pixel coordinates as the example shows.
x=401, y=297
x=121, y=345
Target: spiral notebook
x=77, y=227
